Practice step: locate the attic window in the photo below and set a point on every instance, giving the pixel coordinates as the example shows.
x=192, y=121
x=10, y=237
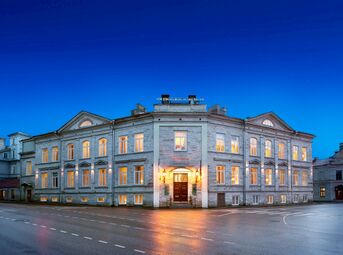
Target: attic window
x=268, y=123
x=86, y=123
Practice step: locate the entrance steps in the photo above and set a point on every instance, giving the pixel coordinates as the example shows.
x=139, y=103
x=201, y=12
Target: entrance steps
x=181, y=205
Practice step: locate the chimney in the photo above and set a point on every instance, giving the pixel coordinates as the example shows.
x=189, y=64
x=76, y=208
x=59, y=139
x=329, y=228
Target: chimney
x=341, y=147
x=165, y=99
x=2, y=143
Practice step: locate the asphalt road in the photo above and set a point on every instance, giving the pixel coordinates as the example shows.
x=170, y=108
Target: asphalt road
x=43, y=229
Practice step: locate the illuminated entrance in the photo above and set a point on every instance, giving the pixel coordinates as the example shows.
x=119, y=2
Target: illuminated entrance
x=180, y=187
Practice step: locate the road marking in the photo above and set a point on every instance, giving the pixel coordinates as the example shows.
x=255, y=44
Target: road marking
x=101, y=241
x=73, y=234
x=87, y=237
x=125, y=226
x=34, y=224
x=208, y=231
x=139, y=228
x=120, y=246
x=223, y=214
x=188, y=236
x=284, y=219
x=228, y=242
x=42, y=226
x=207, y=239
x=13, y=219
x=63, y=231
x=53, y=229
x=140, y=251
x=112, y=223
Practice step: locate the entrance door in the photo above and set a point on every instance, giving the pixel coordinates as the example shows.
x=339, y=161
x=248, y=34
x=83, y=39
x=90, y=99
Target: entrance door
x=339, y=192
x=220, y=199
x=1, y=195
x=180, y=187
x=29, y=195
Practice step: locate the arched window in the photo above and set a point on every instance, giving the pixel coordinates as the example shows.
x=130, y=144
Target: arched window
x=85, y=149
x=102, y=147
x=281, y=152
x=70, y=151
x=268, y=149
x=268, y=123
x=86, y=123
x=253, y=146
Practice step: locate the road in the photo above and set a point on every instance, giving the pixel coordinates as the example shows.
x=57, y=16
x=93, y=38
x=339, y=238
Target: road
x=44, y=229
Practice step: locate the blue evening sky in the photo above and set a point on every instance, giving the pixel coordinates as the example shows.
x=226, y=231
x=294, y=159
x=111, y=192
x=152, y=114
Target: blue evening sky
x=59, y=57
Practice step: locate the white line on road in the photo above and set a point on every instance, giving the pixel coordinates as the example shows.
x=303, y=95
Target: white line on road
x=34, y=224
x=101, y=241
x=228, y=242
x=42, y=226
x=63, y=231
x=140, y=251
x=87, y=237
x=208, y=231
x=207, y=239
x=125, y=226
x=120, y=246
x=73, y=234
x=54, y=229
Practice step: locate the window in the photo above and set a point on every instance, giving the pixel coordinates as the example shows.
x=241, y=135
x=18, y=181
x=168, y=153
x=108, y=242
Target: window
x=270, y=199
x=69, y=199
x=269, y=176
x=296, y=198
x=122, y=199
x=100, y=199
x=139, y=142
x=304, y=178
x=70, y=151
x=220, y=142
x=122, y=144
x=295, y=178
x=55, y=153
x=220, y=174
x=44, y=180
x=268, y=149
x=295, y=152
x=28, y=167
x=305, y=198
x=235, y=200
x=281, y=151
x=55, y=180
x=122, y=175
x=339, y=175
x=268, y=123
x=253, y=146
x=86, y=123
x=235, y=175
x=282, y=177
x=253, y=176
x=45, y=155
x=139, y=175
x=43, y=199
x=304, y=154
x=54, y=199
x=102, y=147
x=102, y=177
x=255, y=199
x=84, y=199
x=86, y=177
x=283, y=199
x=322, y=192
x=138, y=199
x=70, y=179
x=180, y=140
x=235, y=144
x=85, y=149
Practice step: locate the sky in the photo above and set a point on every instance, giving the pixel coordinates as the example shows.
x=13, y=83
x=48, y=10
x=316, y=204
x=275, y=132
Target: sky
x=60, y=57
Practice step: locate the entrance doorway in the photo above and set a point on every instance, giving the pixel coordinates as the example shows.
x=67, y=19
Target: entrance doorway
x=220, y=199
x=339, y=192
x=180, y=187
x=29, y=195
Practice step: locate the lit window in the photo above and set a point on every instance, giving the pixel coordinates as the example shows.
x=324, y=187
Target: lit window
x=268, y=149
x=304, y=154
x=138, y=199
x=44, y=180
x=235, y=175
x=281, y=152
x=100, y=199
x=122, y=199
x=69, y=199
x=235, y=144
x=220, y=174
x=122, y=175
x=270, y=199
x=269, y=176
x=253, y=146
x=139, y=175
x=235, y=200
x=84, y=199
x=282, y=177
x=304, y=178
x=28, y=167
x=322, y=192
x=55, y=180
x=305, y=198
x=283, y=199
x=70, y=179
x=268, y=123
x=122, y=144
x=86, y=178
x=54, y=199
x=55, y=153
x=253, y=176
x=139, y=142
x=70, y=151
x=102, y=147
x=220, y=142
x=86, y=123
x=44, y=199
x=45, y=155
x=295, y=152
x=102, y=177
x=180, y=140
x=255, y=199
x=295, y=178
x=85, y=149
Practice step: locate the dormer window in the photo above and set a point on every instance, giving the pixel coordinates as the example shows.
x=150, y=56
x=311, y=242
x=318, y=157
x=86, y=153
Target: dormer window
x=86, y=123
x=268, y=123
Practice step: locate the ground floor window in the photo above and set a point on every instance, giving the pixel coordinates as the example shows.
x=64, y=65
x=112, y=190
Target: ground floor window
x=43, y=199
x=235, y=200
x=255, y=199
x=100, y=199
x=322, y=191
x=122, y=199
x=283, y=199
x=54, y=199
x=270, y=199
x=296, y=198
x=69, y=199
x=138, y=199
x=84, y=199
x=305, y=198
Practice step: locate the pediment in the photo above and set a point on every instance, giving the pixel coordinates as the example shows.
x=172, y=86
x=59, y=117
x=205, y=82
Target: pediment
x=83, y=120
x=269, y=163
x=283, y=163
x=254, y=162
x=270, y=120
x=101, y=163
x=84, y=164
x=69, y=165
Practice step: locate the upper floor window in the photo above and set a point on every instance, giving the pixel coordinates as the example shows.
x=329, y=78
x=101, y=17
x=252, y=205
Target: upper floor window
x=55, y=153
x=304, y=178
x=268, y=123
x=253, y=146
x=220, y=174
x=122, y=144
x=180, y=140
x=102, y=147
x=253, y=176
x=282, y=177
x=235, y=144
x=85, y=149
x=139, y=175
x=122, y=175
x=268, y=149
x=70, y=179
x=86, y=178
x=281, y=151
x=304, y=154
x=102, y=177
x=269, y=176
x=338, y=175
x=55, y=180
x=139, y=142
x=28, y=167
x=295, y=152
x=45, y=155
x=235, y=175
x=86, y=123
x=44, y=180
x=220, y=142
x=70, y=151
x=322, y=191
x=295, y=178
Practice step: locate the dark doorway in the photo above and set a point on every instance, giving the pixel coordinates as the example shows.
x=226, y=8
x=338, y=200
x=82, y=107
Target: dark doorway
x=2, y=195
x=339, y=192
x=220, y=199
x=29, y=195
x=180, y=187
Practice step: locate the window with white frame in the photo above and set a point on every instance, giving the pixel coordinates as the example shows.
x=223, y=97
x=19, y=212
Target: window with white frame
x=44, y=180
x=304, y=178
x=139, y=142
x=295, y=152
x=138, y=199
x=283, y=199
x=220, y=174
x=28, y=167
x=235, y=200
x=268, y=123
x=122, y=199
x=86, y=149
x=235, y=175
x=180, y=140
x=139, y=175
x=44, y=199
x=270, y=199
x=86, y=123
x=253, y=176
x=55, y=180
x=123, y=144
x=235, y=144
x=70, y=151
x=305, y=198
x=55, y=153
x=84, y=199
x=45, y=155
x=54, y=199
x=281, y=151
x=122, y=175
x=322, y=192
x=102, y=147
x=100, y=199
x=296, y=198
x=304, y=154
x=220, y=142
x=282, y=177
x=70, y=179
x=253, y=146
x=69, y=199
x=255, y=199
x=295, y=178
x=102, y=177
x=268, y=176
x=268, y=149
x=86, y=178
